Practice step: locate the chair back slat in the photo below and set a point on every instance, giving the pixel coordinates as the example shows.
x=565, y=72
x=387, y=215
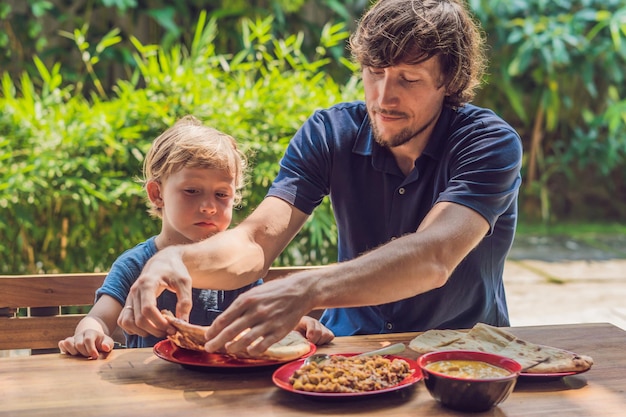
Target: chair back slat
x=18, y=291
x=36, y=332
x=44, y=295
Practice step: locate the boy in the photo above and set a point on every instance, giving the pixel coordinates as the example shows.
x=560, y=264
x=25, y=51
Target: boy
x=193, y=176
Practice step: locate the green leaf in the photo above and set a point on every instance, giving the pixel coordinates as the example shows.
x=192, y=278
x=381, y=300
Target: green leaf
x=5, y=9
x=165, y=17
x=40, y=7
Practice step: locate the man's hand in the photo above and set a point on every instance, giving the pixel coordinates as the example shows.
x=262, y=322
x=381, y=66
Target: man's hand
x=165, y=270
x=270, y=311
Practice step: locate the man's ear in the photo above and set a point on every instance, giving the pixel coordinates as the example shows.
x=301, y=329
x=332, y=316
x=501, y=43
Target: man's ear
x=153, y=189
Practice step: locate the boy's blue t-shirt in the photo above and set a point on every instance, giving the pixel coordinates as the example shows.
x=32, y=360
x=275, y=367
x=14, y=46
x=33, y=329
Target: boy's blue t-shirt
x=207, y=304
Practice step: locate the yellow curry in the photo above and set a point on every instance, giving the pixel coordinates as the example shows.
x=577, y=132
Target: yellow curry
x=468, y=369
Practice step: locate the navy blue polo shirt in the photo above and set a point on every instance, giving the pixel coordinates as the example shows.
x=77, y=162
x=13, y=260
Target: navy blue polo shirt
x=473, y=158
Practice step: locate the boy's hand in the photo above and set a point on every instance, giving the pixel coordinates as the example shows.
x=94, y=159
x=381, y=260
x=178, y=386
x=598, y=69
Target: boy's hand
x=314, y=331
x=88, y=344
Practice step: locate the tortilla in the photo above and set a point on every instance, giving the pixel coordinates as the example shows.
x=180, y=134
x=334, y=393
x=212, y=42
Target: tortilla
x=534, y=358
x=192, y=336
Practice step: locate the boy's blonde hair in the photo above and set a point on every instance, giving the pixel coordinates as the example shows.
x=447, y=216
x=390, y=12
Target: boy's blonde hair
x=190, y=144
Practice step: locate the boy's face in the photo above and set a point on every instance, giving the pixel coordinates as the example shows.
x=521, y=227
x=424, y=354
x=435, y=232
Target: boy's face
x=196, y=203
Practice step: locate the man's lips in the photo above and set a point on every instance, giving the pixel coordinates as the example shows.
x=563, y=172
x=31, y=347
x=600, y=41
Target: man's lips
x=389, y=116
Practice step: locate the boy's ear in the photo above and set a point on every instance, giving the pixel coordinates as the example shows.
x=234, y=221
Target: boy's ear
x=154, y=193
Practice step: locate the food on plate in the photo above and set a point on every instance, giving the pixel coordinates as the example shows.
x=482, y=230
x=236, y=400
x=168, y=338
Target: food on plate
x=468, y=369
x=187, y=336
x=343, y=374
x=534, y=358
x=191, y=336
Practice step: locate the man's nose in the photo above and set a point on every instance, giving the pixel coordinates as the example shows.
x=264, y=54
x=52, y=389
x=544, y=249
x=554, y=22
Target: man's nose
x=387, y=91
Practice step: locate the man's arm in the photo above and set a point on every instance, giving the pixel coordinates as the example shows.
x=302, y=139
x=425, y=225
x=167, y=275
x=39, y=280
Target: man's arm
x=411, y=265
x=227, y=260
x=241, y=255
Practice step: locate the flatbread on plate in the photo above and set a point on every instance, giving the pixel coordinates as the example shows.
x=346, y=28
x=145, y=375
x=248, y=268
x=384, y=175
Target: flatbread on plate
x=534, y=358
x=435, y=340
x=191, y=336
x=187, y=336
x=290, y=347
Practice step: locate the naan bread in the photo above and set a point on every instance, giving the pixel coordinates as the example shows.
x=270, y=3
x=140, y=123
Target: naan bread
x=191, y=336
x=545, y=359
x=495, y=337
x=187, y=336
x=534, y=358
x=290, y=347
x=435, y=340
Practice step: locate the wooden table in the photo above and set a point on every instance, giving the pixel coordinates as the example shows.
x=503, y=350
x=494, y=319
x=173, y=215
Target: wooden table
x=134, y=382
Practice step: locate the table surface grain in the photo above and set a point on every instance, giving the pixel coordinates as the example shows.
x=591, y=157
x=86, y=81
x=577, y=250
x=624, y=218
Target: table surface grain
x=136, y=382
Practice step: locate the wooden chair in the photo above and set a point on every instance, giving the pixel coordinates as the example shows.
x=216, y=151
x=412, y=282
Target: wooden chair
x=43, y=297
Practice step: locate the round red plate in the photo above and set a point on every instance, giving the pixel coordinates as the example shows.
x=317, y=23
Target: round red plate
x=281, y=380
x=552, y=375
x=168, y=351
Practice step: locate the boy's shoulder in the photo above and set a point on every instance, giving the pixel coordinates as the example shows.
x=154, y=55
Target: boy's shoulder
x=139, y=254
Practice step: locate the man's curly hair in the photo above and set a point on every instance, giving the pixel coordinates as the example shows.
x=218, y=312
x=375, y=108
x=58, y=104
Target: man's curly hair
x=396, y=32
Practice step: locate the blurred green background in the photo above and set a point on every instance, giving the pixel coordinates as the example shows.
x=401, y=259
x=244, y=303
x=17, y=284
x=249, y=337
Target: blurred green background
x=87, y=85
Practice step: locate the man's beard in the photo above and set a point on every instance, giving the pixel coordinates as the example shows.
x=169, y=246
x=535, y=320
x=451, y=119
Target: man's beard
x=400, y=138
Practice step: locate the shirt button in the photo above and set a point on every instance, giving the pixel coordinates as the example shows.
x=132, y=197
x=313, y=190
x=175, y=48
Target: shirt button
x=401, y=191
x=389, y=326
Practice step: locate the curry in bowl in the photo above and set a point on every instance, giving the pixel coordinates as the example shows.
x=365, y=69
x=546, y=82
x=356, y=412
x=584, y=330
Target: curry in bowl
x=468, y=381
x=468, y=369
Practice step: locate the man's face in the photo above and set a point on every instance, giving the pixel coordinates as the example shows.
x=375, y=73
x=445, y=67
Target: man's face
x=403, y=101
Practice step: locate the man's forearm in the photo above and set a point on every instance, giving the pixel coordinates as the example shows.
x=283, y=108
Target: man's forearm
x=407, y=266
x=225, y=261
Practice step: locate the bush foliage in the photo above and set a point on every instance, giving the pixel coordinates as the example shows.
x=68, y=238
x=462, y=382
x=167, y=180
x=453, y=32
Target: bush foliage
x=556, y=74
x=74, y=127
x=67, y=193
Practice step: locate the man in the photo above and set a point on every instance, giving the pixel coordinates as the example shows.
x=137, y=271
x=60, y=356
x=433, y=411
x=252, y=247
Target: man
x=423, y=186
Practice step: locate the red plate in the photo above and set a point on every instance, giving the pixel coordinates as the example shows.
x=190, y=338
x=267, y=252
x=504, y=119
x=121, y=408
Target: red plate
x=281, y=379
x=192, y=358
x=551, y=375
